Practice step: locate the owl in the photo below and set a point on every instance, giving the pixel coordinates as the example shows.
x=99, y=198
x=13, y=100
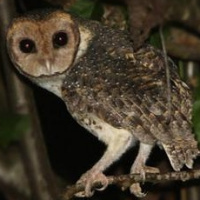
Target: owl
x=118, y=94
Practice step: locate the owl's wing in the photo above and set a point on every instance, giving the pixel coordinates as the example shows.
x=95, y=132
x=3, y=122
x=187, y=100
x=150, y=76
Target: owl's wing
x=149, y=117
x=148, y=113
x=132, y=95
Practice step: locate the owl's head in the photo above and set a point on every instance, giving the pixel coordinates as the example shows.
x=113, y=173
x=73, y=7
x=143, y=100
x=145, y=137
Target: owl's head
x=43, y=44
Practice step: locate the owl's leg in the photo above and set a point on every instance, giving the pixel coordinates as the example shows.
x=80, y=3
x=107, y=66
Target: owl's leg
x=116, y=147
x=140, y=167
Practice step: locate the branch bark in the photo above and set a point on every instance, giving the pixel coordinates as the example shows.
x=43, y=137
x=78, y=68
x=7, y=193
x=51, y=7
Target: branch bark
x=182, y=44
x=35, y=171
x=125, y=181
x=144, y=15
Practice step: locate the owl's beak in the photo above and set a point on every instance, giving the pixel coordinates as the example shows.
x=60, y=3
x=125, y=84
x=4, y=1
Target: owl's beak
x=48, y=66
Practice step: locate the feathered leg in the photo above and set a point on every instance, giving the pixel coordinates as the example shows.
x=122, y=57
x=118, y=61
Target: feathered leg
x=140, y=167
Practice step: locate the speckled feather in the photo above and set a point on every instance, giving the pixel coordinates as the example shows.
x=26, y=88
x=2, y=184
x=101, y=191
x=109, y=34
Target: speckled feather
x=128, y=90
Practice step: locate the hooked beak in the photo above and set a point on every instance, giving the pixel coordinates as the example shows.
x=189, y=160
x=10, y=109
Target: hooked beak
x=48, y=66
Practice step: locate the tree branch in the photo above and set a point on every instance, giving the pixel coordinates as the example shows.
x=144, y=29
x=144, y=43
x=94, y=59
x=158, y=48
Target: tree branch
x=144, y=15
x=31, y=166
x=182, y=44
x=124, y=181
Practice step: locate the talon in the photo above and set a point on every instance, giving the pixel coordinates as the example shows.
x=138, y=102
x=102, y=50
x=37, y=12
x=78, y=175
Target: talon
x=88, y=180
x=136, y=190
x=153, y=170
x=104, y=185
x=82, y=194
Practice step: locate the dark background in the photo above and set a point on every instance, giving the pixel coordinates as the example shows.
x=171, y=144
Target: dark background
x=72, y=150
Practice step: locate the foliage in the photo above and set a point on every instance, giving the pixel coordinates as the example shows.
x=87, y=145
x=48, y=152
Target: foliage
x=12, y=126
x=90, y=9
x=155, y=38
x=196, y=111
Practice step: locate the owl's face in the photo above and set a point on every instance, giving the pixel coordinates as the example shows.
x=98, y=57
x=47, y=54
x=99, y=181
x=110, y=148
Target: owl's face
x=43, y=47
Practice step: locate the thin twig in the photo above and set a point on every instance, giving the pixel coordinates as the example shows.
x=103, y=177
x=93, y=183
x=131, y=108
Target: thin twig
x=125, y=181
x=167, y=71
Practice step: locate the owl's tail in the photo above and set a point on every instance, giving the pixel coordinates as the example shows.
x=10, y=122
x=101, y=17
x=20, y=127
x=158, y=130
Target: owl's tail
x=181, y=152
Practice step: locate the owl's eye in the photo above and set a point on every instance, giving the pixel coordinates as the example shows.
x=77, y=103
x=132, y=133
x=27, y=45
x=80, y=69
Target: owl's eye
x=27, y=46
x=60, y=39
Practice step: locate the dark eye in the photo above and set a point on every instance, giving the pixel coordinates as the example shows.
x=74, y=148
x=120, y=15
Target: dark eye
x=60, y=39
x=27, y=46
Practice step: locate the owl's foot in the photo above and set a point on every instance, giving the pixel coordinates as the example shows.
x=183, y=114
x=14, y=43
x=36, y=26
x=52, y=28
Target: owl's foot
x=88, y=179
x=142, y=170
x=137, y=190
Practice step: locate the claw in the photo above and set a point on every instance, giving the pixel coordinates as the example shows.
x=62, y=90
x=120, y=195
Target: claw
x=82, y=194
x=88, y=180
x=135, y=188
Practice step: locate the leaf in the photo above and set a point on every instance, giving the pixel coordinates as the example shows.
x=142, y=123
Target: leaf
x=89, y=9
x=155, y=39
x=12, y=127
x=196, y=112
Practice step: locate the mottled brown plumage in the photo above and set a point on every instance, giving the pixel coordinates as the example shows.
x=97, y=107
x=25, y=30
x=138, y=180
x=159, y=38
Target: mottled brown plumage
x=117, y=94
